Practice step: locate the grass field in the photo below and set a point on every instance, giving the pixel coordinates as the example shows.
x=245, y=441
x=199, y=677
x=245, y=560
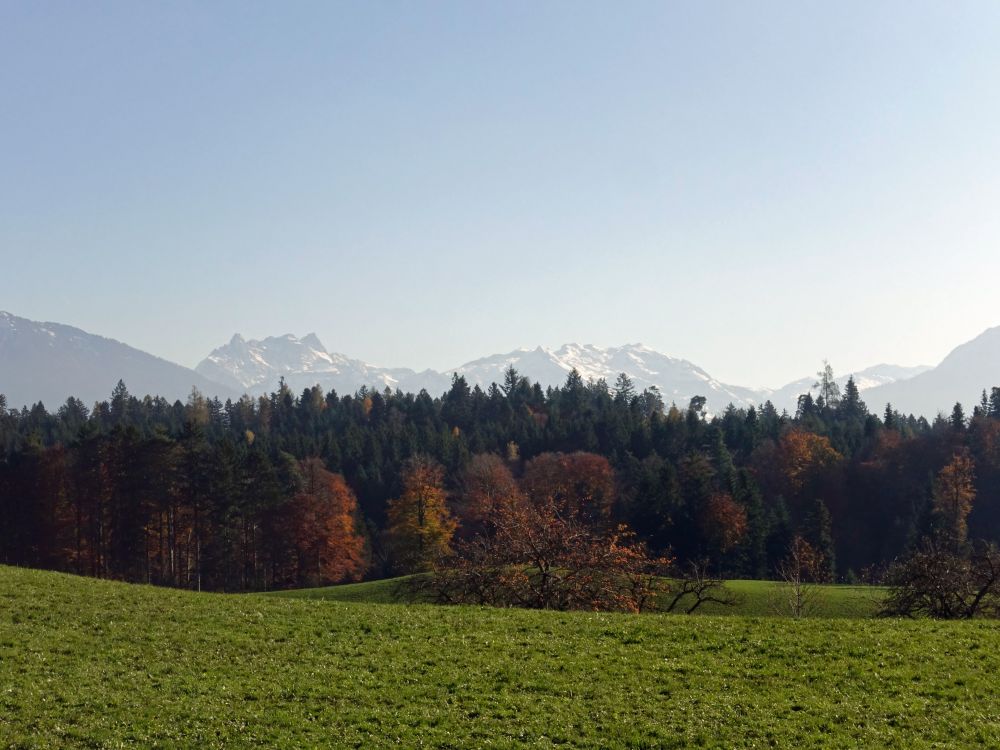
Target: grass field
x=753, y=598
x=87, y=663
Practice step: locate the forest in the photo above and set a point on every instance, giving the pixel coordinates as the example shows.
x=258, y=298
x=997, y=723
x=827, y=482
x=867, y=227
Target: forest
x=307, y=489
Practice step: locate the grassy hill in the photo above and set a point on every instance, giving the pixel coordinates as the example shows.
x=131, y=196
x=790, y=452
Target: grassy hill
x=754, y=598
x=87, y=663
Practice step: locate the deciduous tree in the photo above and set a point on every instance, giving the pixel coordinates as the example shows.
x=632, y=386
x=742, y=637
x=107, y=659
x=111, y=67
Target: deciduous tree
x=322, y=522
x=420, y=526
x=954, y=493
x=577, y=484
x=487, y=486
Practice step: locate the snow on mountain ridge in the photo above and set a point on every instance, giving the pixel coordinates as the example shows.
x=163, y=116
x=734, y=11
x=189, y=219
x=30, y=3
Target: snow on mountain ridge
x=49, y=361
x=256, y=365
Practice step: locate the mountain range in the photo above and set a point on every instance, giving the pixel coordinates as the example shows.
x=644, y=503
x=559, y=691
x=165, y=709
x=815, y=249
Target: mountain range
x=257, y=365
x=49, y=361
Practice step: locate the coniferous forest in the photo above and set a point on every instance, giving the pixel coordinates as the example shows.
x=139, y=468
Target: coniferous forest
x=315, y=488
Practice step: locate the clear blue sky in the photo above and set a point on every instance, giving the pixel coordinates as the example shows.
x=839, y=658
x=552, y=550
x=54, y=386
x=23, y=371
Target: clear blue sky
x=752, y=186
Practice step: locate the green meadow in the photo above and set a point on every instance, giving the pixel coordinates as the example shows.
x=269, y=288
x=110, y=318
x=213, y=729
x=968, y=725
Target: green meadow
x=95, y=664
x=753, y=598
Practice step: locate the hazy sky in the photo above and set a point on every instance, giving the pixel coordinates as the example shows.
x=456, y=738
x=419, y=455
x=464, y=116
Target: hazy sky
x=752, y=185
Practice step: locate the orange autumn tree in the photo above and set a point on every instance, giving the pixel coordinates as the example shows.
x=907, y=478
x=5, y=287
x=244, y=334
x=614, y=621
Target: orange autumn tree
x=797, y=466
x=321, y=521
x=953, y=494
x=535, y=555
x=550, y=546
x=420, y=525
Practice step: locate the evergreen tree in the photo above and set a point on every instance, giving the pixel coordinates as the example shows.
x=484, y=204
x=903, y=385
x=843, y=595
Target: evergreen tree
x=120, y=400
x=818, y=532
x=851, y=406
x=995, y=403
x=624, y=389
x=958, y=418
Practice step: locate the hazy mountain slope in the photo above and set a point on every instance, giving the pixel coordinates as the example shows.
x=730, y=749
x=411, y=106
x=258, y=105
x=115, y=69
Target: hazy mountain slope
x=961, y=376
x=787, y=396
x=49, y=362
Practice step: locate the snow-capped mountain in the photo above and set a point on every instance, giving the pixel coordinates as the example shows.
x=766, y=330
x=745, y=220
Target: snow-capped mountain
x=256, y=366
x=50, y=362
x=677, y=379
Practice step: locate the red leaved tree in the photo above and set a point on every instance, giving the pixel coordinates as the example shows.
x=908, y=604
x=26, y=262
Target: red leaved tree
x=575, y=484
x=723, y=522
x=487, y=487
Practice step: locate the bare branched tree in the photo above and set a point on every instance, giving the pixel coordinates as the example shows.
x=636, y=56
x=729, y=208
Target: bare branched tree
x=938, y=581
x=692, y=586
x=798, y=574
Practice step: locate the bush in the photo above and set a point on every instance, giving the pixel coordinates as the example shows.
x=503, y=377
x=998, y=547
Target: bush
x=942, y=581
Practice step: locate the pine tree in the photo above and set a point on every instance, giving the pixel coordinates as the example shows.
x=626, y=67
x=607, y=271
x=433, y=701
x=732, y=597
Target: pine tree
x=723, y=462
x=851, y=406
x=624, y=389
x=995, y=403
x=120, y=399
x=958, y=418
x=818, y=532
x=511, y=381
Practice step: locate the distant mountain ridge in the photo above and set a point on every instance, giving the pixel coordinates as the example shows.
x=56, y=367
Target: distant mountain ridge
x=257, y=365
x=49, y=362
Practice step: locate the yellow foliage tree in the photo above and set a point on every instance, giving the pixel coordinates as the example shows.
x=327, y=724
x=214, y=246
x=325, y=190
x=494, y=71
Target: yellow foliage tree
x=802, y=455
x=420, y=526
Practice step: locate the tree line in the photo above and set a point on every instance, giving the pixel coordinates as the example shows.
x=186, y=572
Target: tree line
x=304, y=489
